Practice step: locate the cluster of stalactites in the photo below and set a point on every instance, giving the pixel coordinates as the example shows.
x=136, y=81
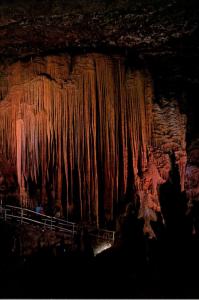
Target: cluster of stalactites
x=159, y=139
x=89, y=128
x=168, y=138
x=169, y=135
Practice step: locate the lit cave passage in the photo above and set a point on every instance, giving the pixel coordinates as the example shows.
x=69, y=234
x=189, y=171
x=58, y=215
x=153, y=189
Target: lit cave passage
x=99, y=128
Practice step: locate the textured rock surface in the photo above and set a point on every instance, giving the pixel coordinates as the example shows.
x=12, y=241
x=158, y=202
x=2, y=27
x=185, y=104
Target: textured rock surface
x=59, y=109
x=32, y=239
x=192, y=173
x=8, y=182
x=160, y=26
x=25, y=240
x=163, y=34
x=55, y=119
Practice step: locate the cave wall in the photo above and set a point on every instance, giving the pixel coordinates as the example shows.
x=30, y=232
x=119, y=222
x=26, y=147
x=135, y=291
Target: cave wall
x=86, y=127
x=192, y=173
x=168, y=144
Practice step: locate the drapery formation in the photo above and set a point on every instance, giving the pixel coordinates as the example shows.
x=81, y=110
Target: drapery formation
x=86, y=129
x=83, y=125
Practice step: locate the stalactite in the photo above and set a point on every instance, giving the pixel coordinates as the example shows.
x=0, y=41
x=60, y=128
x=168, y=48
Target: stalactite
x=78, y=123
x=107, y=102
x=139, y=99
x=92, y=120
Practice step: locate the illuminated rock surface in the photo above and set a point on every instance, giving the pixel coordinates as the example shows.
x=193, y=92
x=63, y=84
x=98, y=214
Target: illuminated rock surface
x=92, y=125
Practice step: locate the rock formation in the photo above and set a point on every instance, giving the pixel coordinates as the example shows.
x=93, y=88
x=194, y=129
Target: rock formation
x=96, y=99
x=192, y=173
x=88, y=127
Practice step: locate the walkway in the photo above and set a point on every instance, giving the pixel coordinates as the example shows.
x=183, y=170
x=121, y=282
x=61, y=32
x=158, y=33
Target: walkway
x=23, y=215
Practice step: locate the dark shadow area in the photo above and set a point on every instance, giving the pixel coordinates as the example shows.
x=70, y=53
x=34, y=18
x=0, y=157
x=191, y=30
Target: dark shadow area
x=134, y=267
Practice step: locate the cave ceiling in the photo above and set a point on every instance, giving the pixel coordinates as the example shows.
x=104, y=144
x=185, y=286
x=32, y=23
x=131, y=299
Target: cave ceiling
x=162, y=33
x=149, y=27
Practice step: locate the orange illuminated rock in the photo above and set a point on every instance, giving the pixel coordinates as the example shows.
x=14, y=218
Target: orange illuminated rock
x=89, y=127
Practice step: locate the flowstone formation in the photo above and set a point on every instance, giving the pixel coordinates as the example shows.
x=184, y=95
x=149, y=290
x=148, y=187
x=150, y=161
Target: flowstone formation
x=168, y=138
x=192, y=173
x=88, y=127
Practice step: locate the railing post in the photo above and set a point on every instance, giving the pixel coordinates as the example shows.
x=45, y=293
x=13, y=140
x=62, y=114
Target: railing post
x=5, y=214
x=113, y=236
x=45, y=224
x=21, y=215
x=73, y=229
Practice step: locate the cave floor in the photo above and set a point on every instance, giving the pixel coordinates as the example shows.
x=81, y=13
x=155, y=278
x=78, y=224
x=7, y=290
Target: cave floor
x=112, y=274
x=167, y=270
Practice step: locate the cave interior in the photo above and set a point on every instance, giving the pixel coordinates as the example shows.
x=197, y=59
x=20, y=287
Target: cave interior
x=99, y=126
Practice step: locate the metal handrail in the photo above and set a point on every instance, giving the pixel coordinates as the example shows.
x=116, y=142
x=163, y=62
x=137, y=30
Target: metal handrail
x=54, y=223
x=101, y=232
x=24, y=218
x=39, y=214
x=28, y=210
x=65, y=221
x=20, y=214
